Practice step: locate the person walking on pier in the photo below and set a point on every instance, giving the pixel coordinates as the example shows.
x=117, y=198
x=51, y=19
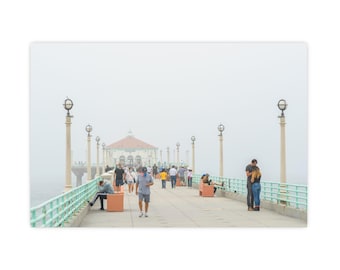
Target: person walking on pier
x=250, y=196
x=256, y=187
x=154, y=170
x=119, y=175
x=143, y=183
x=104, y=188
x=130, y=179
x=163, y=176
x=173, y=175
x=189, y=177
x=181, y=172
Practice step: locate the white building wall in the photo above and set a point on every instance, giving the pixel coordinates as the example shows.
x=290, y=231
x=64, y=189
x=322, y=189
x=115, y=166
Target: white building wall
x=148, y=156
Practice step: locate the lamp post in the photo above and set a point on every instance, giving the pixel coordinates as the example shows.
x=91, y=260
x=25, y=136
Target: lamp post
x=88, y=129
x=193, y=138
x=168, y=156
x=97, y=169
x=282, y=105
x=160, y=157
x=177, y=145
x=68, y=104
x=187, y=157
x=103, y=157
x=221, y=129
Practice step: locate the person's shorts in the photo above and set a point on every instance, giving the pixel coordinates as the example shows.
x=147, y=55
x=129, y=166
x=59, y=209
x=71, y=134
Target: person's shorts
x=119, y=182
x=145, y=197
x=130, y=181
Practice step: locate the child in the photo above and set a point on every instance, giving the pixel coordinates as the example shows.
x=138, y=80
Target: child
x=163, y=175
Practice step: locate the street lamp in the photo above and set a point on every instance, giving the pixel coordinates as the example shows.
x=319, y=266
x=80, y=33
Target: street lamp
x=193, y=138
x=103, y=144
x=88, y=129
x=68, y=104
x=221, y=129
x=282, y=105
x=168, y=155
x=97, y=169
x=177, y=145
x=187, y=157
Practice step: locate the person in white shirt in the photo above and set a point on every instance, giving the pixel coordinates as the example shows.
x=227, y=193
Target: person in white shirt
x=189, y=177
x=173, y=175
x=130, y=179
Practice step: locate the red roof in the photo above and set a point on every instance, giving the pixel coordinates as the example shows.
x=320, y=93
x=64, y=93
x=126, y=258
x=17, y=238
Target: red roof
x=131, y=142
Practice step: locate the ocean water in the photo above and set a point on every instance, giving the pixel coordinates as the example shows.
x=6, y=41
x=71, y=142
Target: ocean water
x=45, y=188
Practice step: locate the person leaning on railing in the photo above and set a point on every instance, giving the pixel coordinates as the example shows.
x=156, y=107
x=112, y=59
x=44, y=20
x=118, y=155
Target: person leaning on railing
x=205, y=180
x=250, y=196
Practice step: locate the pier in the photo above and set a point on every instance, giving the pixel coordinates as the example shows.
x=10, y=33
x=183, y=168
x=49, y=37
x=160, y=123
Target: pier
x=181, y=207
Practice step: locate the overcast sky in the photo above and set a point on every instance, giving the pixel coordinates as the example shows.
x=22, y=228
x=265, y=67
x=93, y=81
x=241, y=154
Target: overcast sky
x=167, y=92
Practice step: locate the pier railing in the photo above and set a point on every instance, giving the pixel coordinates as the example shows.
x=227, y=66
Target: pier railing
x=60, y=209
x=292, y=195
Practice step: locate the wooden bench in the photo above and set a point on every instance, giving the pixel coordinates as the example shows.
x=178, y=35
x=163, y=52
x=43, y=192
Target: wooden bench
x=115, y=202
x=205, y=190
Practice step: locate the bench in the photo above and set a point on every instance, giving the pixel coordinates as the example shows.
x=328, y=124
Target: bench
x=206, y=190
x=115, y=202
x=178, y=182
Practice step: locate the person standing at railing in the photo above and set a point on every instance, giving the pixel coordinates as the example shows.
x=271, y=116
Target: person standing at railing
x=256, y=187
x=104, y=188
x=250, y=197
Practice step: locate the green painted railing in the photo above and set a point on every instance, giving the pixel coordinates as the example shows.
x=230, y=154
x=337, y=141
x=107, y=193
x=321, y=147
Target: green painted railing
x=292, y=195
x=58, y=210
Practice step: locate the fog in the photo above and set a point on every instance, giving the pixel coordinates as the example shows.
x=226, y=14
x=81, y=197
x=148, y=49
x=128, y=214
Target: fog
x=165, y=93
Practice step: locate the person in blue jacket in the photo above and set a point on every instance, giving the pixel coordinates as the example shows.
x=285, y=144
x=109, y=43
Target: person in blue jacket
x=103, y=189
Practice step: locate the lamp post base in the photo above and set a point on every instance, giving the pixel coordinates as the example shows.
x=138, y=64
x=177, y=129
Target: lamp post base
x=67, y=188
x=283, y=194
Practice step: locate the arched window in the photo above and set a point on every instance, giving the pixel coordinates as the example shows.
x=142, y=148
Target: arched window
x=138, y=160
x=122, y=160
x=130, y=161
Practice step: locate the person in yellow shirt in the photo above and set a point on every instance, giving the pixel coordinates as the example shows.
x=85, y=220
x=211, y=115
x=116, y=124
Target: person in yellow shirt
x=163, y=175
